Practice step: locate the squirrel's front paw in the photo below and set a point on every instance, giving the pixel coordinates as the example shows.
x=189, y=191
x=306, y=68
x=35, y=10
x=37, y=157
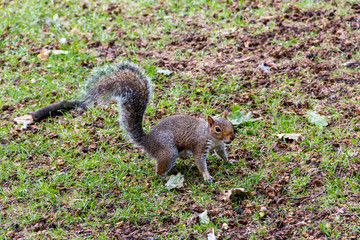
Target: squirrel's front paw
x=164, y=177
x=232, y=161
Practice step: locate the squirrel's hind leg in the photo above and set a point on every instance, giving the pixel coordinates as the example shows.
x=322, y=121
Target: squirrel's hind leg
x=165, y=160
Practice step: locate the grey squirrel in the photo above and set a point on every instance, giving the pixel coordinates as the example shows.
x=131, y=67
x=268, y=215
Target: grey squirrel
x=173, y=136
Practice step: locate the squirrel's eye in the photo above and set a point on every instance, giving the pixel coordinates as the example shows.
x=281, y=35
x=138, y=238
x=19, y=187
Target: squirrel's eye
x=217, y=129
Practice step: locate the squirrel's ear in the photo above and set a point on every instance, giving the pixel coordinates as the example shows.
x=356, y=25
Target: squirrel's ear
x=210, y=121
x=225, y=113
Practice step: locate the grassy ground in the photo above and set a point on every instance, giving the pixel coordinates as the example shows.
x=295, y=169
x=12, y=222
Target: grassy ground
x=76, y=176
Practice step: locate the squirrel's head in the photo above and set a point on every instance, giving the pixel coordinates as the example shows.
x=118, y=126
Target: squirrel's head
x=221, y=129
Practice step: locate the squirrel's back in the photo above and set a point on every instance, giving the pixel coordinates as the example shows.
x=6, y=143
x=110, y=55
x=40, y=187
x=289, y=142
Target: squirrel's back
x=182, y=130
x=131, y=88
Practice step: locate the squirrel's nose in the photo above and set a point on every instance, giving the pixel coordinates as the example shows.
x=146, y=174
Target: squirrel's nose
x=231, y=138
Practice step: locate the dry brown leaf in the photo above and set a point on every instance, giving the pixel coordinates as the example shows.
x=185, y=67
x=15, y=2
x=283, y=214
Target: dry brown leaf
x=235, y=194
x=290, y=136
x=24, y=120
x=44, y=54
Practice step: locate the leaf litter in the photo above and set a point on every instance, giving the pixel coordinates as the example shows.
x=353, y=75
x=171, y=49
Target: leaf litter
x=285, y=215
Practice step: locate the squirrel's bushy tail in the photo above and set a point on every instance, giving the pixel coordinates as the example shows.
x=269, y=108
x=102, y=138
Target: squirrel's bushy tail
x=125, y=83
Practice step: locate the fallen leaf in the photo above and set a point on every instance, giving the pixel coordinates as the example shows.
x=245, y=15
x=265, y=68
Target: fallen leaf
x=203, y=217
x=237, y=117
x=166, y=72
x=175, y=182
x=57, y=52
x=44, y=54
x=289, y=136
x=24, y=120
x=235, y=194
x=317, y=119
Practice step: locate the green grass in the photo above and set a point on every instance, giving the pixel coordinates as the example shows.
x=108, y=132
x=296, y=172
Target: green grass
x=77, y=176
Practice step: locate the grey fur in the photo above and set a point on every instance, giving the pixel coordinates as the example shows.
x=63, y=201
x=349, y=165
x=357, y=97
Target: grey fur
x=173, y=135
x=111, y=82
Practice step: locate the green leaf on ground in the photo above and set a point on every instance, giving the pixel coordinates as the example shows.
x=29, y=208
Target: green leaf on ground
x=203, y=217
x=175, y=182
x=237, y=117
x=317, y=119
